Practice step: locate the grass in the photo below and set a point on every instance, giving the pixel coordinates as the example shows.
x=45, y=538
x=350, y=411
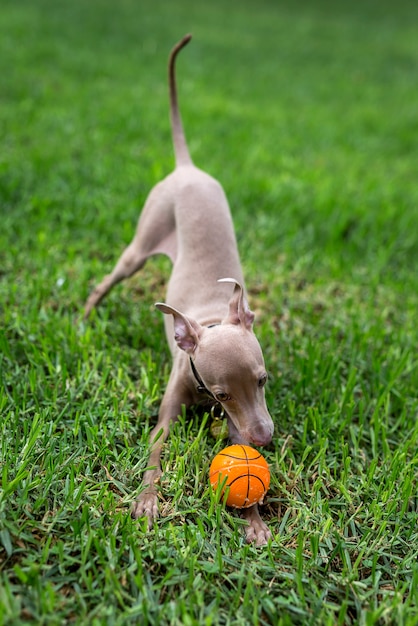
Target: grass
x=307, y=114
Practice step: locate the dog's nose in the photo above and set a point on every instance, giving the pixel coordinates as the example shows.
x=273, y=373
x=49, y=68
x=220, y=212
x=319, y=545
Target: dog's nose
x=262, y=434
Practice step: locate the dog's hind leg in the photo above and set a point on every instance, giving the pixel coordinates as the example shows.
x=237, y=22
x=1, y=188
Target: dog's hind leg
x=155, y=234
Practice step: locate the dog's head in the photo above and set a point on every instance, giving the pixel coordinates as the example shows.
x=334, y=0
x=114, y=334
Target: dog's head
x=229, y=361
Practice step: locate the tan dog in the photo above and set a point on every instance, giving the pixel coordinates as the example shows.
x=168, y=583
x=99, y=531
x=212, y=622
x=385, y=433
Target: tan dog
x=208, y=323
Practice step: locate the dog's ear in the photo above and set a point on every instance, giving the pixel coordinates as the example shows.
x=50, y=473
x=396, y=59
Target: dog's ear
x=239, y=311
x=187, y=332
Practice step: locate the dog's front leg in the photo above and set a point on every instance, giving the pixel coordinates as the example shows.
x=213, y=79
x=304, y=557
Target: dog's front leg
x=257, y=531
x=146, y=505
x=175, y=397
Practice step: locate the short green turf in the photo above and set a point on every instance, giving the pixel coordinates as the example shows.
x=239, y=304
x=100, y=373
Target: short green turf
x=307, y=114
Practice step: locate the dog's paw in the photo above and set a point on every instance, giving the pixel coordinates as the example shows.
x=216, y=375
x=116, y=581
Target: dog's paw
x=146, y=505
x=257, y=531
x=260, y=535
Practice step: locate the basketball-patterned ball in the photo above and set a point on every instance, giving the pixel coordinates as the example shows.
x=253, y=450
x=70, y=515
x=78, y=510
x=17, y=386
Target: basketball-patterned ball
x=245, y=472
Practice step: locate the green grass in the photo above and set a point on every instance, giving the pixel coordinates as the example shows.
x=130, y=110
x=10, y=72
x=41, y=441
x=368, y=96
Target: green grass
x=307, y=113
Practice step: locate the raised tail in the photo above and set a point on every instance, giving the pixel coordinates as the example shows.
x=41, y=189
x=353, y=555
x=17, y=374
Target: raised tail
x=181, y=150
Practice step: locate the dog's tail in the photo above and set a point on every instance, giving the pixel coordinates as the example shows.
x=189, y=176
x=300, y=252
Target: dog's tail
x=181, y=150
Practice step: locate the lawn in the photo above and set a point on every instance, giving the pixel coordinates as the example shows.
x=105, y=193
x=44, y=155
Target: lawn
x=307, y=114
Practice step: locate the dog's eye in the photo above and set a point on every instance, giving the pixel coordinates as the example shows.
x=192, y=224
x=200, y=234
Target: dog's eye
x=262, y=380
x=222, y=396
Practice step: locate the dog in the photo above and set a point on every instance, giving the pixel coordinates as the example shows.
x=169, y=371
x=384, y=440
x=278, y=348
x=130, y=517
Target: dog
x=208, y=322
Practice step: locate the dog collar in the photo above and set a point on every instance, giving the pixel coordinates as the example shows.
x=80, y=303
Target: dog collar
x=201, y=387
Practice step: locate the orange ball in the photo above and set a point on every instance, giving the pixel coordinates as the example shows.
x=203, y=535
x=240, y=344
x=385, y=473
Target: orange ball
x=246, y=472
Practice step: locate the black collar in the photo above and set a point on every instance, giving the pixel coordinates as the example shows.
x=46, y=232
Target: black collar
x=201, y=387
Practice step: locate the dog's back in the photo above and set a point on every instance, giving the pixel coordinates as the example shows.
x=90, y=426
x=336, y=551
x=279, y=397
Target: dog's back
x=206, y=248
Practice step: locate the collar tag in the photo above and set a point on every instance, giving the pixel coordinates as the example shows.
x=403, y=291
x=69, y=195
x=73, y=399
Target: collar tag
x=219, y=426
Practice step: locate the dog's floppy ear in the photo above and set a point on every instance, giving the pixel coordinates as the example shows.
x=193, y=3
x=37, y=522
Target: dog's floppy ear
x=239, y=311
x=187, y=332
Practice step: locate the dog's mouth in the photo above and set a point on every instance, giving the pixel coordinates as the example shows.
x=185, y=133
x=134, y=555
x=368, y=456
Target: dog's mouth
x=261, y=442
